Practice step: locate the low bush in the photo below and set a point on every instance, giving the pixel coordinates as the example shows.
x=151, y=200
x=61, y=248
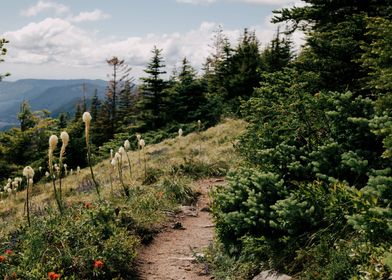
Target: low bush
x=87, y=242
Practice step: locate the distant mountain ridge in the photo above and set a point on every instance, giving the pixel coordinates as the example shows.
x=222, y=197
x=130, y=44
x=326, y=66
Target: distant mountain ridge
x=54, y=95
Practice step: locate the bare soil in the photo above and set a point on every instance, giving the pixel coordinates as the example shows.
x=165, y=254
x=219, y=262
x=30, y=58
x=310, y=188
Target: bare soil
x=172, y=253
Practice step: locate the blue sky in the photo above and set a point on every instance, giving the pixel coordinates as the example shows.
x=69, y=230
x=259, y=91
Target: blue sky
x=60, y=39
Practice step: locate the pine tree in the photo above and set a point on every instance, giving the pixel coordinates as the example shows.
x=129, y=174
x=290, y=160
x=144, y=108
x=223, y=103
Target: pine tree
x=3, y=51
x=118, y=78
x=126, y=105
x=151, y=104
x=25, y=116
x=335, y=31
x=278, y=54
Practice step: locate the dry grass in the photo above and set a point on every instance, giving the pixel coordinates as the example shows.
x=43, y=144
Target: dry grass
x=210, y=146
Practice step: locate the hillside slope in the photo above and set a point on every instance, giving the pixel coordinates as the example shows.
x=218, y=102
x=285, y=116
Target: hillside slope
x=161, y=180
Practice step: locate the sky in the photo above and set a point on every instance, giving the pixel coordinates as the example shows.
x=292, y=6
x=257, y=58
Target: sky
x=71, y=39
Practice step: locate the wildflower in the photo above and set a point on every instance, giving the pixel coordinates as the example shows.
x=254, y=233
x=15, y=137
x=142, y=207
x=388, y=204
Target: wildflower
x=47, y=174
x=8, y=252
x=53, y=140
x=2, y=259
x=114, y=162
x=180, y=132
x=64, y=138
x=138, y=136
x=111, y=153
x=88, y=205
x=121, y=151
x=28, y=172
x=98, y=264
x=53, y=276
x=142, y=143
x=78, y=169
x=87, y=119
x=127, y=145
x=40, y=168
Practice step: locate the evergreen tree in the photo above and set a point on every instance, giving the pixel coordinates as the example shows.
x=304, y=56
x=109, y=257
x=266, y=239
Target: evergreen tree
x=126, y=104
x=3, y=51
x=336, y=30
x=63, y=120
x=25, y=116
x=78, y=112
x=278, y=54
x=118, y=78
x=151, y=104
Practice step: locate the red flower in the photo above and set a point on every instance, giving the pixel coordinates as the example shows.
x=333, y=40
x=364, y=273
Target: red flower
x=98, y=264
x=53, y=276
x=2, y=258
x=88, y=205
x=8, y=252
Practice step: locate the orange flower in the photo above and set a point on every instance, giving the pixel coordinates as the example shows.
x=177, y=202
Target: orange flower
x=53, y=276
x=88, y=205
x=98, y=264
x=2, y=258
x=8, y=252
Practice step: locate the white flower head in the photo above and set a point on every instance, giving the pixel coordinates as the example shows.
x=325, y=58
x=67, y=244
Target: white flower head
x=53, y=140
x=117, y=156
x=121, y=151
x=47, y=174
x=127, y=145
x=87, y=118
x=111, y=153
x=78, y=169
x=28, y=172
x=31, y=181
x=180, y=132
x=113, y=161
x=142, y=143
x=138, y=136
x=64, y=138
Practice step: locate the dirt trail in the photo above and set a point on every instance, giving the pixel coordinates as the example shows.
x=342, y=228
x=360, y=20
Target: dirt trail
x=171, y=254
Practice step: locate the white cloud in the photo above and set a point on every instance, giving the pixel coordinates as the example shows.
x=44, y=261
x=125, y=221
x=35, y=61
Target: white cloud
x=58, y=44
x=268, y=2
x=90, y=16
x=42, y=6
x=257, y=2
x=197, y=2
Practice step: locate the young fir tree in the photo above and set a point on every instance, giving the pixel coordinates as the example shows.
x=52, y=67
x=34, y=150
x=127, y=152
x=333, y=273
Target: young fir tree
x=277, y=54
x=186, y=99
x=26, y=116
x=151, y=103
x=126, y=102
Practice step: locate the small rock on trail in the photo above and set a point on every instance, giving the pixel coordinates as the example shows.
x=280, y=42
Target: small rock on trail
x=172, y=253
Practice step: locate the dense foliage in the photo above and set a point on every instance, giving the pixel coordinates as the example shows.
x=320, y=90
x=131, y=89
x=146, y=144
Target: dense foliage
x=314, y=198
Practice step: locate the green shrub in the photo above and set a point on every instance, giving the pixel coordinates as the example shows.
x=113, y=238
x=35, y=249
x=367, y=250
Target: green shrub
x=179, y=190
x=71, y=245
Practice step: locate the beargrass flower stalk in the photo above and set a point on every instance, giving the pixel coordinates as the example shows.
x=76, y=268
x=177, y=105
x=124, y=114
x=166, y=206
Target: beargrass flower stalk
x=127, y=146
x=180, y=132
x=87, y=120
x=28, y=172
x=142, y=144
x=118, y=159
x=138, y=137
x=53, y=140
x=65, y=140
x=198, y=133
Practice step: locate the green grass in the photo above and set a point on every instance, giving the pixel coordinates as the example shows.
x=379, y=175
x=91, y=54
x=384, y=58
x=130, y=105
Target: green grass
x=104, y=227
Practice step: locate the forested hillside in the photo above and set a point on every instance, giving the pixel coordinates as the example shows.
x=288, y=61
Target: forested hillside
x=311, y=194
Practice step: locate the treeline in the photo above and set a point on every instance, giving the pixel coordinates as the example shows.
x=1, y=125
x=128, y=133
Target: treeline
x=159, y=106
x=314, y=198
